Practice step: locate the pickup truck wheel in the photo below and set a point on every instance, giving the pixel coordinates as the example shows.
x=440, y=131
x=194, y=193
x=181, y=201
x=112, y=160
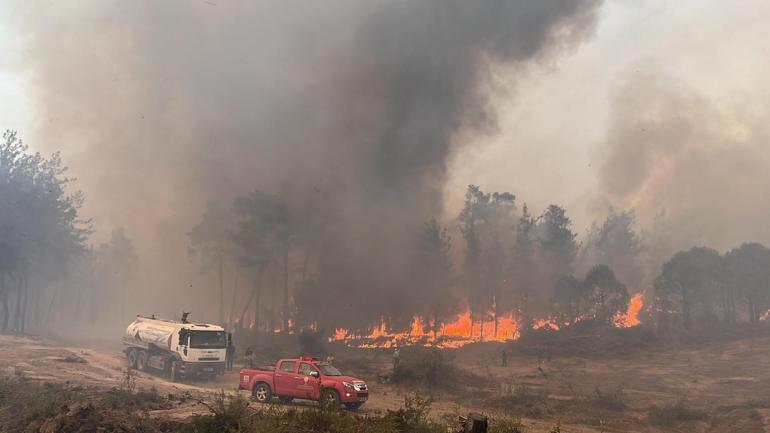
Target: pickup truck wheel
x=141, y=361
x=262, y=393
x=131, y=356
x=353, y=406
x=330, y=398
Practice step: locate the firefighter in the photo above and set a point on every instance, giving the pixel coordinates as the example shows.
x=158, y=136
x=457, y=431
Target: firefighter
x=248, y=361
x=504, y=358
x=230, y=352
x=396, y=358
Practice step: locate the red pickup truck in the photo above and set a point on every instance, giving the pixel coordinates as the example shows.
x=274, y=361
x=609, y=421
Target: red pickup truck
x=304, y=378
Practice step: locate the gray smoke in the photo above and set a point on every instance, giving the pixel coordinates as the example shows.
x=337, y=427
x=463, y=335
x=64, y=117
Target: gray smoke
x=702, y=162
x=160, y=107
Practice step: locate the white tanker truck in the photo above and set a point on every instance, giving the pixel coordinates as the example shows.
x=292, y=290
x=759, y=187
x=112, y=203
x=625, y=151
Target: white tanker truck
x=178, y=348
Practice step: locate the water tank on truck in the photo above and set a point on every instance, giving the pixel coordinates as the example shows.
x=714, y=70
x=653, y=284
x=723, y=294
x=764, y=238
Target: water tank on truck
x=177, y=348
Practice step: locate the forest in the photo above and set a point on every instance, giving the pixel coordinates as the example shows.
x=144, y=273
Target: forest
x=280, y=264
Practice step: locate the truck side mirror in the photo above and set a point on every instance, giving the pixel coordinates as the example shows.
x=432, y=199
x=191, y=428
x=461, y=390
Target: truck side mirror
x=315, y=374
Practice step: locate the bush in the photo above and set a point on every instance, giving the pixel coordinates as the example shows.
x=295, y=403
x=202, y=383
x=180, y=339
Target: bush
x=524, y=401
x=506, y=425
x=234, y=415
x=610, y=401
x=429, y=368
x=26, y=401
x=311, y=343
x=671, y=414
x=413, y=417
x=120, y=398
x=227, y=414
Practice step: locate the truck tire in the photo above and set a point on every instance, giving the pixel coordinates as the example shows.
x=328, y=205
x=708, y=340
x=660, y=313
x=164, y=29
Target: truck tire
x=330, y=399
x=173, y=371
x=141, y=361
x=131, y=356
x=262, y=393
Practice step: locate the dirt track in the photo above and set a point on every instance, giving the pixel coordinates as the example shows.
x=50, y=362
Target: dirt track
x=729, y=381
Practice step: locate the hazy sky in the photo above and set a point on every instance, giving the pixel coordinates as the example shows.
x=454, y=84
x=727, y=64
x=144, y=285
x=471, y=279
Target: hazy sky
x=546, y=149
x=552, y=122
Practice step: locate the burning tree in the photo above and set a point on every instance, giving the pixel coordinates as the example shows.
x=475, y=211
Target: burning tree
x=487, y=221
x=605, y=294
x=433, y=279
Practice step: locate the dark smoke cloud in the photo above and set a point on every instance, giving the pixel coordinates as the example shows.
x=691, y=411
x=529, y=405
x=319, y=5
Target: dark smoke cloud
x=702, y=162
x=161, y=106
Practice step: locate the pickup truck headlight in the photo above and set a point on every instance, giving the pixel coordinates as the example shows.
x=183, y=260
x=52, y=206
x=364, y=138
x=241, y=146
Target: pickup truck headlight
x=348, y=385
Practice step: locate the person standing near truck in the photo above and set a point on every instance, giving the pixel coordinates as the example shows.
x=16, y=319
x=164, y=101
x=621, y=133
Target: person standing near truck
x=230, y=354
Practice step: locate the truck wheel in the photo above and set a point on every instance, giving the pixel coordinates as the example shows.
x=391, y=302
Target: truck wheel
x=353, y=406
x=173, y=371
x=262, y=393
x=131, y=356
x=330, y=399
x=141, y=361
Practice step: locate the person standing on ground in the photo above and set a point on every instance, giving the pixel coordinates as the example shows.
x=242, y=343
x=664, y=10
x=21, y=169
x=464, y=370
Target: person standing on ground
x=505, y=358
x=330, y=358
x=230, y=352
x=396, y=358
x=248, y=361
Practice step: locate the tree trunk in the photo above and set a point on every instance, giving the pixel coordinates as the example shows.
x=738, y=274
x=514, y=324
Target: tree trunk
x=286, y=291
x=496, y=319
x=435, y=327
x=17, y=313
x=470, y=335
x=3, y=299
x=24, y=306
x=235, y=292
x=273, y=292
x=47, y=318
x=248, y=303
x=221, y=290
x=257, y=296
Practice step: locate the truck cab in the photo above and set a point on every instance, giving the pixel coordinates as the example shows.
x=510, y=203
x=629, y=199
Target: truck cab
x=304, y=378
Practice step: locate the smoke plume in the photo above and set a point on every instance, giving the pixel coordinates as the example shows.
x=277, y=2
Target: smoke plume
x=160, y=107
x=700, y=161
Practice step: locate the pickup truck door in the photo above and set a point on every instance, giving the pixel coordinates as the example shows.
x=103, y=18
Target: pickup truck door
x=308, y=385
x=284, y=378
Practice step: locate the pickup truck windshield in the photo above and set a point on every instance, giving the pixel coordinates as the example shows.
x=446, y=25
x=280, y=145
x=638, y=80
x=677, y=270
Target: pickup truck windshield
x=208, y=340
x=329, y=370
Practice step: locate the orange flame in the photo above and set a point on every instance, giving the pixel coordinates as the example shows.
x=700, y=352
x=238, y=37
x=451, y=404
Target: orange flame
x=631, y=317
x=452, y=334
x=462, y=330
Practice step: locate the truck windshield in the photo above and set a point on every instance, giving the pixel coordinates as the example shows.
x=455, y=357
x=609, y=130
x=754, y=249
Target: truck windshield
x=208, y=340
x=329, y=370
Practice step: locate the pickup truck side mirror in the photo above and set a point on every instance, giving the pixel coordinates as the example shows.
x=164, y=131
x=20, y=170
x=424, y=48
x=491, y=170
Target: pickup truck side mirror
x=315, y=374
